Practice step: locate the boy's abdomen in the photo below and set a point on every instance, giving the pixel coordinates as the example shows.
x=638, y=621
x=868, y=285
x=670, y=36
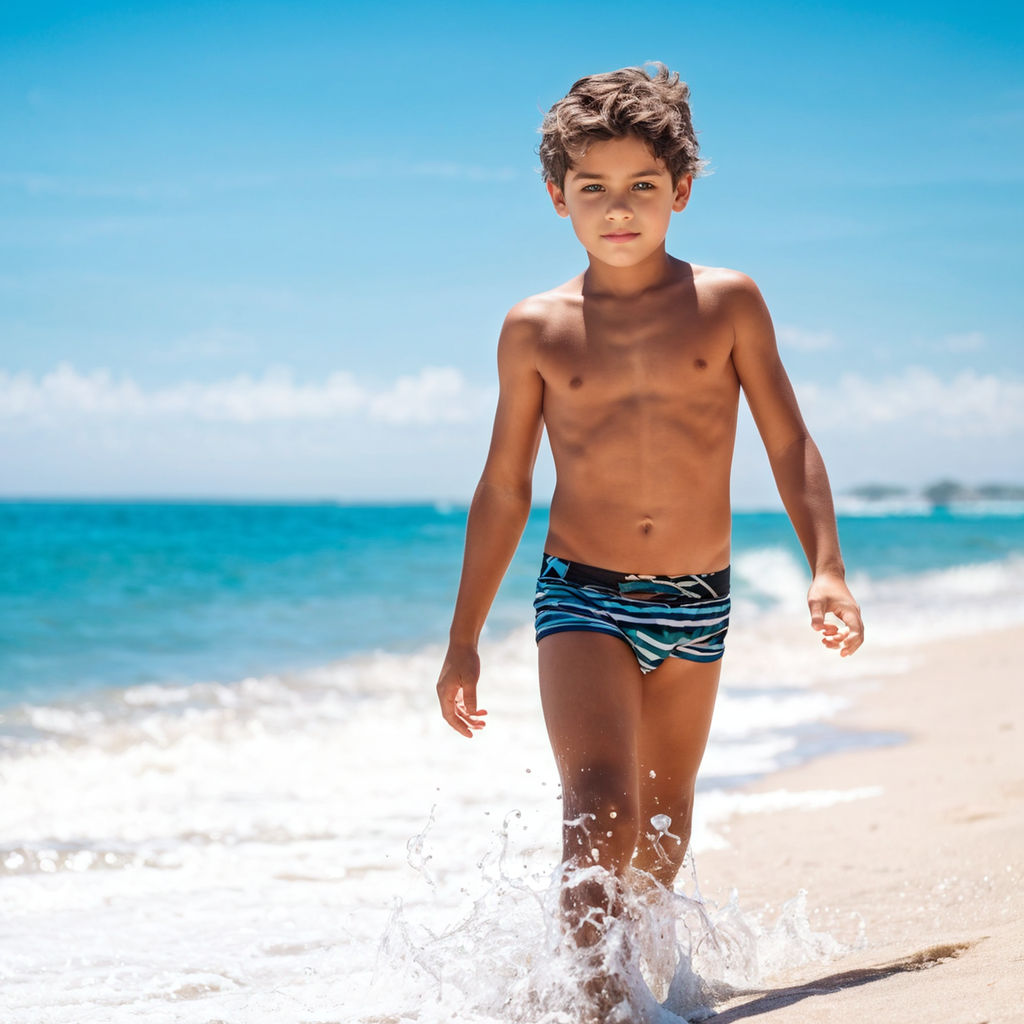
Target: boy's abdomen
x=687, y=531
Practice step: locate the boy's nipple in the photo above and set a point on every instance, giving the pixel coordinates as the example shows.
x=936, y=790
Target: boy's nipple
x=576, y=382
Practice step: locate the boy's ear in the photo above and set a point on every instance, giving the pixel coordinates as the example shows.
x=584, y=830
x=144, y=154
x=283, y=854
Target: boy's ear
x=558, y=199
x=682, y=196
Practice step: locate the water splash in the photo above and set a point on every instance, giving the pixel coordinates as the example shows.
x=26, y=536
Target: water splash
x=415, y=854
x=668, y=957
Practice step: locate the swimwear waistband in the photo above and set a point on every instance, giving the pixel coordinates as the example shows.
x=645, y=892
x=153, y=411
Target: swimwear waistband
x=710, y=584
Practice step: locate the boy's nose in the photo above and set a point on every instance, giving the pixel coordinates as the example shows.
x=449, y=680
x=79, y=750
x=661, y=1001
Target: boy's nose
x=619, y=209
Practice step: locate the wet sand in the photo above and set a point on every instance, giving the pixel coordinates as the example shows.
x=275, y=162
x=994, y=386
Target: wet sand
x=933, y=864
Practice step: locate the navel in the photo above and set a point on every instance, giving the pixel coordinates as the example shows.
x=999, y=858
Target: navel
x=646, y=525
x=576, y=382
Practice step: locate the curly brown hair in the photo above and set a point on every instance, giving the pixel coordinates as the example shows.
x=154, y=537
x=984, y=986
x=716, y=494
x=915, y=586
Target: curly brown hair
x=653, y=107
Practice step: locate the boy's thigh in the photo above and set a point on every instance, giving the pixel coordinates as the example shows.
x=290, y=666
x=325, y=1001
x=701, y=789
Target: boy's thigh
x=591, y=692
x=675, y=719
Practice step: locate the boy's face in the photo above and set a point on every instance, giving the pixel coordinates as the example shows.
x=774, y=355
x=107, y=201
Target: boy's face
x=620, y=199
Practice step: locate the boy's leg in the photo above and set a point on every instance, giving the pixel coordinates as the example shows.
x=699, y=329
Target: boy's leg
x=591, y=690
x=675, y=719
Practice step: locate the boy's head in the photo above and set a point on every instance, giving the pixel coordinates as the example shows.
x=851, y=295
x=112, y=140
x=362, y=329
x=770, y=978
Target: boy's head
x=654, y=108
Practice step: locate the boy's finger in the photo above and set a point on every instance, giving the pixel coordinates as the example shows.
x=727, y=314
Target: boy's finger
x=852, y=642
x=474, y=721
x=855, y=629
x=851, y=618
x=817, y=608
x=452, y=718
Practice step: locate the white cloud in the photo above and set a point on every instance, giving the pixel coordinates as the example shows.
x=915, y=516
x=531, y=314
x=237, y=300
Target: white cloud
x=916, y=400
x=919, y=402
x=805, y=341
x=96, y=432
x=432, y=396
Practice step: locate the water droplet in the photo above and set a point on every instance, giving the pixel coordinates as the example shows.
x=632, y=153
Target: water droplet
x=662, y=822
x=613, y=814
x=652, y=774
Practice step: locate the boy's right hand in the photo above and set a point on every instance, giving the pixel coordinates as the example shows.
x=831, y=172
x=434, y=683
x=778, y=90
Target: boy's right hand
x=456, y=690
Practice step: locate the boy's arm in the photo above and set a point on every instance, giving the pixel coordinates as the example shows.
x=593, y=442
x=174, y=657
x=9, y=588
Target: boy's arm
x=796, y=464
x=497, y=516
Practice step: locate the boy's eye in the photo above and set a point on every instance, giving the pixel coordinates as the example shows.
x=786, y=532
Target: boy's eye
x=643, y=186
x=592, y=188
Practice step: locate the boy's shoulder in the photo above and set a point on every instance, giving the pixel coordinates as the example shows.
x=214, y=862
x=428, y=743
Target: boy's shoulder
x=535, y=316
x=735, y=297
x=536, y=307
x=722, y=281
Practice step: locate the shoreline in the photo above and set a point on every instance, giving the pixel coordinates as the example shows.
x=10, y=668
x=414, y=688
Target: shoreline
x=931, y=861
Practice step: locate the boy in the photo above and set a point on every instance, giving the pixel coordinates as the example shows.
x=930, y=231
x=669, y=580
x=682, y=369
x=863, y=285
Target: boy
x=635, y=369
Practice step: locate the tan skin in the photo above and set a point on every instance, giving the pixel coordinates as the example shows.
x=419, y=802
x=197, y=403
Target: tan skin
x=635, y=369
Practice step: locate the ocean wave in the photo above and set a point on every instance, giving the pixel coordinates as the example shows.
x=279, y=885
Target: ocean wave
x=919, y=507
x=770, y=647
x=882, y=508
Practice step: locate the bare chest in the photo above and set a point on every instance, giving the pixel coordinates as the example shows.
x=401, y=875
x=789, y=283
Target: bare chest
x=614, y=354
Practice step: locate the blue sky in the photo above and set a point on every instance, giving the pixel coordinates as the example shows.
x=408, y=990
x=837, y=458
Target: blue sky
x=265, y=249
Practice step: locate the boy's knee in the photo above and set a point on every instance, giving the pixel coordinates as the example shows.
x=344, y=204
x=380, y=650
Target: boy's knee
x=601, y=814
x=676, y=805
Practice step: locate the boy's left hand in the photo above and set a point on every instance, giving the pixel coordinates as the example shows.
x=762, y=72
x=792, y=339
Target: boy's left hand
x=829, y=593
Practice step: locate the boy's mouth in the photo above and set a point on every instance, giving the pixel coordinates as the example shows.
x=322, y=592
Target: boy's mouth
x=621, y=236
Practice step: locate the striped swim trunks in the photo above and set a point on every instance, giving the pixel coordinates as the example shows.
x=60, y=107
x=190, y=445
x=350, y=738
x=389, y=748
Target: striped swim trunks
x=658, y=616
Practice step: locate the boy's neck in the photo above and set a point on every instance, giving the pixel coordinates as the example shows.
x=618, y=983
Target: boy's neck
x=602, y=278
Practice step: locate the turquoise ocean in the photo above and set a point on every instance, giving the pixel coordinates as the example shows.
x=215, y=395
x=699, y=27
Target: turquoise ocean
x=100, y=595
x=228, y=794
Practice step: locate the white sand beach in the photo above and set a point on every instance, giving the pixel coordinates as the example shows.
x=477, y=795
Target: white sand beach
x=933, y=863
